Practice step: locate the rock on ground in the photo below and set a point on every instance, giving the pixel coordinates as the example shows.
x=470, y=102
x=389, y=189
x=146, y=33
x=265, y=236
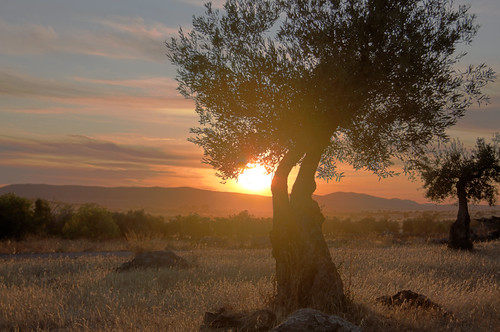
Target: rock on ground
x=226, y=320
x=155, y=259
x=312, y=320
x=408, y=298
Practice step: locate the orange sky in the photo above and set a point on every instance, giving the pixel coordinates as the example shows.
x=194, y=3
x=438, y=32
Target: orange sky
x=87, y=96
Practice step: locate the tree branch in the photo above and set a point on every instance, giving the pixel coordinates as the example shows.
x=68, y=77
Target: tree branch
x=279, y=185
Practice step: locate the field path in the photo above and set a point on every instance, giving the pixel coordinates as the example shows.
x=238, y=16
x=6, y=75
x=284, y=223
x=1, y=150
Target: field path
x=65, y=254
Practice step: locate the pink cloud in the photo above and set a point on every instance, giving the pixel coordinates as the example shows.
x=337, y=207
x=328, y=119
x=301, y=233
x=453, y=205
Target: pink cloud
x=91, y=96
x=26, y=38
x=114, y=37
x=112, y=161
x=98, y=151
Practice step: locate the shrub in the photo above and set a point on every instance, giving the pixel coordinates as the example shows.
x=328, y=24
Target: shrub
x=43, y=220
x=62, y=213
x=15, y=216
x=192, y=226
x=139, y=223
x=367, y=225
x=386, y=225
x=92, y=222
x=426, y=224
x=242, y=226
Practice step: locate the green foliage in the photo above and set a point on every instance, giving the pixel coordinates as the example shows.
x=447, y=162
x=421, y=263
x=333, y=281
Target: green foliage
x=426, y=224
x=15, y=216
x=62, y=213
x=192, y=226
x=367, y=225
x=369, y=80
x=240, y=227
x=93, y=222
x=43, y=220
x=20, y=217
x=139, y=222
x=476, y=171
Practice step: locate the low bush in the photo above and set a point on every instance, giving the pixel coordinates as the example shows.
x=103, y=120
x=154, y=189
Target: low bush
x=426, y=224
x=139, y=223
x=16, y=216
x=93, y=222
x=240, y=227
x=367, y=225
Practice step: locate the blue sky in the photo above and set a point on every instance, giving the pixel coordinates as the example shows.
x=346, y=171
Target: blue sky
x=87, y=96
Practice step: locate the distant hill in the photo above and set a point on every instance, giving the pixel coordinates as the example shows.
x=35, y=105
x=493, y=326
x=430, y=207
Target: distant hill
x=185, y=200
x=353, y=202
x=166, y=201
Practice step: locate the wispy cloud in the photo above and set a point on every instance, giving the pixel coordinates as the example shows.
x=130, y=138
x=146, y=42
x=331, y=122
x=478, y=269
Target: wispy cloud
x=158, y=86
x=26, y=38
x=215, y=3
x=114, y=37
x=105, y=160
x=17, y=84
x=93, y=152
x=99, y=177
x=102, y=96
x=136, y=26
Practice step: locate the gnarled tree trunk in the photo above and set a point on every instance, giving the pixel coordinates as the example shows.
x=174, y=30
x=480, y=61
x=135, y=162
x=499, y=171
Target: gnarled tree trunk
x=460, y=230
x=305, y=273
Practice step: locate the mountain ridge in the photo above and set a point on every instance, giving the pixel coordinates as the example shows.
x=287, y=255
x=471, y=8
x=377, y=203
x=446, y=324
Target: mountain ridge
x=185, y=200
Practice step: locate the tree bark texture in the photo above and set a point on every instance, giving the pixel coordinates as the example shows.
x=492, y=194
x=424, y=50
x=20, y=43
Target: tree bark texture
x=460, y=230
x=306, y=277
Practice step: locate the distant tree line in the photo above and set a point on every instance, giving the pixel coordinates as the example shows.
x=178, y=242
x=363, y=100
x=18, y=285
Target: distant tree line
x=427, y=223
x=21, y=217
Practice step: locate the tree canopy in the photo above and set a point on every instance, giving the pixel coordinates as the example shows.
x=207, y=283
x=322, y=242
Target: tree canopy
x=477, y=170
x=317, y=82
x=365, y=80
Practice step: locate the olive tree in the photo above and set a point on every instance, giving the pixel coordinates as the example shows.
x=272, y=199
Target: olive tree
x=471, y=175
x=311, y=83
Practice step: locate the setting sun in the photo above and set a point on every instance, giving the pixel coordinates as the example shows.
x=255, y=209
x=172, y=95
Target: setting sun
x=254, y=178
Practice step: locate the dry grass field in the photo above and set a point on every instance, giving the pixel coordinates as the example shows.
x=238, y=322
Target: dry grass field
x=85, y=294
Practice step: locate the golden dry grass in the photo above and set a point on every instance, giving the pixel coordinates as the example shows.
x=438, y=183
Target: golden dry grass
x=34, y=244
x=465, y=283
x=85, y=294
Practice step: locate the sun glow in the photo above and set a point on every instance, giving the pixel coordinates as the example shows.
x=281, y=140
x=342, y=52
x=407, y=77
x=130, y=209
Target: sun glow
x=254, y=178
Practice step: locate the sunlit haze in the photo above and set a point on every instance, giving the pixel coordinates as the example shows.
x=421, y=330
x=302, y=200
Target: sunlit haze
x=88, y=97
x=255, y=179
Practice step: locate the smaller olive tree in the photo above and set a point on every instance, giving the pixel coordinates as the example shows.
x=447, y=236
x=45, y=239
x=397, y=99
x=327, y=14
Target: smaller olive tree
x=471, y=175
